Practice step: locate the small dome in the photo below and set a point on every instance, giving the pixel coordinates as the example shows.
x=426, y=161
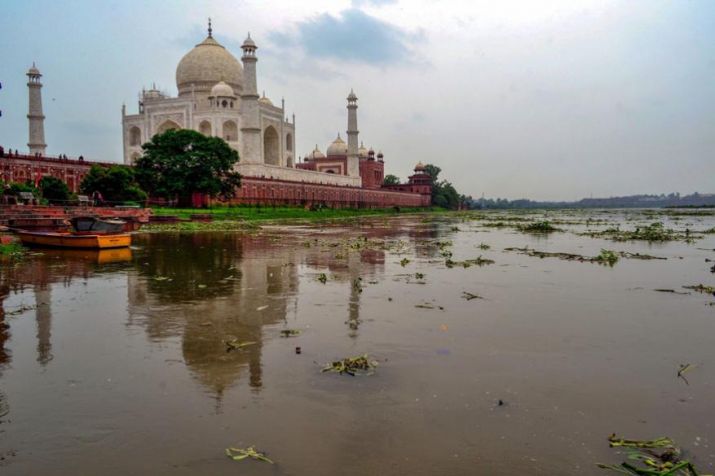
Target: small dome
x=265, y=100
x=248, y=42
x=316, y=154
x=362, y=151
x=352, y=96
x=338, y=147
x=205, y=65
x=222, y=89
x=380, y=154
x=34, y=71
x=420, y=167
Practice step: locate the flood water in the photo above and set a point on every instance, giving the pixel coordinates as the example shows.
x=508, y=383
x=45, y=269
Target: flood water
x=116, y=362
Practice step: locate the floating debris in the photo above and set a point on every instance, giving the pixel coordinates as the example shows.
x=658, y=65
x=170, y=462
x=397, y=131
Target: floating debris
x=238, y=454
x=701, y=288
x=685, y=368
x=290, y=332
x=469, y=296
x=673, y=291
x=659, y=457
x=351, y=365
x=234, y=344
x=483, y=246
x=322, y=278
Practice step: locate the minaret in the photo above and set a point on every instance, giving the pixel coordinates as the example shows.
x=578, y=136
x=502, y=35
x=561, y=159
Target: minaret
x=250, y=121
x=35, y=116
x=353, y=161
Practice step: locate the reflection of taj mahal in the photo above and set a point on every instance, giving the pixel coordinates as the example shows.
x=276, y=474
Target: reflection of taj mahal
x=217, y=96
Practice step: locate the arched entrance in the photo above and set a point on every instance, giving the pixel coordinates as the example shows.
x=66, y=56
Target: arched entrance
x=271, y=147
x=205, y=128
x=135, y=136
x=167, y=126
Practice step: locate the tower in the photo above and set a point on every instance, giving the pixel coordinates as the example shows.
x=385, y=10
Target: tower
x=250, y=122
x=34, y=115
x=353, y=161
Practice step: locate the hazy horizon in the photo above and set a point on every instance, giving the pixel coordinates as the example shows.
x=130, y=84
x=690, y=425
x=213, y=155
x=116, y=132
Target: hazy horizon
x=551, y=100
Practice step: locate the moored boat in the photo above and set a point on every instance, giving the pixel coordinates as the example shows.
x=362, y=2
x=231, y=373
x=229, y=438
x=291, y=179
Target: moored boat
x=74, y=240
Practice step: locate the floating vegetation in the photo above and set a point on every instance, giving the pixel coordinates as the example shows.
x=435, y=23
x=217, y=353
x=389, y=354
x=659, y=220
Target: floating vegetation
x=673, y=291
x=479, y=261
x=238, y=454
x=323, y=278
x=234, y=344
x=194, y=226
x=654, y=232
x=352, y=365
x=607, y=257
x=701, y=288
x=12, y=250
x=539, y=227
x=659, y=457
x=419, y=276
x=404, y=262
x=21, y=309
x=469, y=296
x=357, y=285
x=290, y=332
x=484, y=246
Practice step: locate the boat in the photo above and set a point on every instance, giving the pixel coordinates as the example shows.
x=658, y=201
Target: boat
x=75, y=240
x=96, y=226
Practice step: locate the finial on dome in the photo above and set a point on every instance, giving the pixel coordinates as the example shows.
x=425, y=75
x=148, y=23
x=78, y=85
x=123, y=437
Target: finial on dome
x=210, y=30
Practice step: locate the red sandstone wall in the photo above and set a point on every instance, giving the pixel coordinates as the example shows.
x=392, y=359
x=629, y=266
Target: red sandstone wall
x=372, y=173
x=26, y=167
x=268, y=191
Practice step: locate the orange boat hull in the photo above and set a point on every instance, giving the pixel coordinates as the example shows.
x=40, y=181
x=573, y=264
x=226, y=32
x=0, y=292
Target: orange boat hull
x=68, y=240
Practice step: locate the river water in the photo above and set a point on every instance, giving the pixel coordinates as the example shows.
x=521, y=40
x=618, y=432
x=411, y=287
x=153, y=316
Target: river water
x=116, y=362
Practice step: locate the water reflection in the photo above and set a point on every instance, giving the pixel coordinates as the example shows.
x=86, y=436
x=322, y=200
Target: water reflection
x=206, y=288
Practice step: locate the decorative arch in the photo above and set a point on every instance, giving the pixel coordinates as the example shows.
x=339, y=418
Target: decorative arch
x=230, y=131
x=205, y=128
x=290, y=162
x=289, y=141
x=167, y=126
x=271, y=148
x=135, y=136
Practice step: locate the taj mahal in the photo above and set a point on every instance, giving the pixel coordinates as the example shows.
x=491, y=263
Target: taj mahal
x=218, y=96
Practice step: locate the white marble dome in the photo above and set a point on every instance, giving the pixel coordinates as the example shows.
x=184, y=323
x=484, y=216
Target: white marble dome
x=205, y=65
x=338, y=147
x=221, y=89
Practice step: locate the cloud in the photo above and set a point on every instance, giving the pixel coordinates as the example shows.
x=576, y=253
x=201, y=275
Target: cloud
x=376, y=3
x=352, y=36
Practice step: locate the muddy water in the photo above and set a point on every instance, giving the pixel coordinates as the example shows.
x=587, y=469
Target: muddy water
x=115, y=363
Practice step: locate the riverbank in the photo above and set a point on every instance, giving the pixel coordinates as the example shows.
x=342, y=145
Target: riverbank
x=250, y=218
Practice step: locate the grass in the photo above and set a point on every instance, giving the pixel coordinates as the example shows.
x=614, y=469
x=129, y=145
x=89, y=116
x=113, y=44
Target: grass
x=539, y=227
x=254, y=213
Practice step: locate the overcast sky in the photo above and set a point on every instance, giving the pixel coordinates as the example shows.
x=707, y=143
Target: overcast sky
x=545, y=99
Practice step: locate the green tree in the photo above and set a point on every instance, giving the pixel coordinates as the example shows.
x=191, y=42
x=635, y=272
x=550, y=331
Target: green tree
x=116, y=184
x=180, y=162
x=391, y=180
x=54, y=189
x=443, y=192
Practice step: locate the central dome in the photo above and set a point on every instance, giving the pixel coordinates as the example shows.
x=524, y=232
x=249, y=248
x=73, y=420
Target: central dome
x=205, y=65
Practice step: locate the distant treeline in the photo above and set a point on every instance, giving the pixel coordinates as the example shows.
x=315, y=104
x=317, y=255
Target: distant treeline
x=673, y=200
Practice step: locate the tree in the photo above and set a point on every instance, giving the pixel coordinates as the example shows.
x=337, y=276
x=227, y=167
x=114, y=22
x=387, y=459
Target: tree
x=443, y=193
x=54, y=189
x=391, y=180
x=180, y=162
x=116, y=184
